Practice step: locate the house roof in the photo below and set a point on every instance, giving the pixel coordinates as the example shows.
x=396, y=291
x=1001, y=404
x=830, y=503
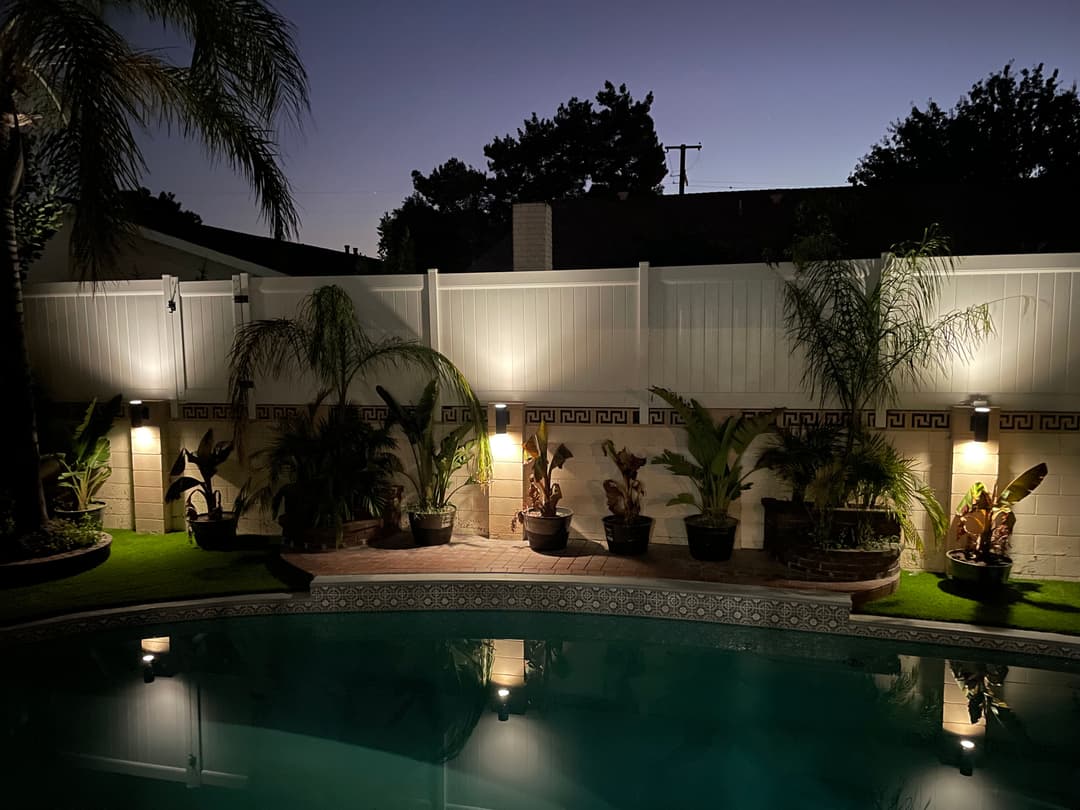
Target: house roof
x=289, y=258
x=752, y=226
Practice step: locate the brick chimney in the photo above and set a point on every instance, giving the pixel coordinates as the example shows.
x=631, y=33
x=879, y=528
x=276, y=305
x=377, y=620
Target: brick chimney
x=532, y=236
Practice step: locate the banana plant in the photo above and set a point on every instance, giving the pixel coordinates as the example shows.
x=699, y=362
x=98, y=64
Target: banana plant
x=435, y=462
x=208, y=457
x=624, y=498
x=987, y=518
x=544, y=494
x=716, y=450
x=85, y=469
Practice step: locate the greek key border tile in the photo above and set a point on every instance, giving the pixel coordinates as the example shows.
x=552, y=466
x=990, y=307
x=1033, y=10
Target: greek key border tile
x=778, y=609
x=214, y=411
x=555, y=415
x=918, y=420
x=1040, y=421
x=456, y=414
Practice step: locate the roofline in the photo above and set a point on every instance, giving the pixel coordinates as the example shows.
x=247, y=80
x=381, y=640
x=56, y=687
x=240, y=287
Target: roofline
x=177, y=243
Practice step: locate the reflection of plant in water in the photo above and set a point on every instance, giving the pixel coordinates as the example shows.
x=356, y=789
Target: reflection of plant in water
x=543, y=660
x=979, y=683
x=467, y=667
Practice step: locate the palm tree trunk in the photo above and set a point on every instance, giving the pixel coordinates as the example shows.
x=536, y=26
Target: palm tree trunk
x=21, y=475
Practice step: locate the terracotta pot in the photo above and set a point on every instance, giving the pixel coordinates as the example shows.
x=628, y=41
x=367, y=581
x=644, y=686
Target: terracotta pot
x=548, y=533
x=627, y=538
x=709, y=541
x=432, y=528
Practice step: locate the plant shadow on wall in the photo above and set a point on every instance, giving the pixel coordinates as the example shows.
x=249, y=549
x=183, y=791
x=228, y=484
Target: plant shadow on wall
x=328, y=470
x=867, y=330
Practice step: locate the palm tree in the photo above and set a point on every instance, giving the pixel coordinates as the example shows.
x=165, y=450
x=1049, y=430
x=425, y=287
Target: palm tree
x=67, y=71
x=326, y=339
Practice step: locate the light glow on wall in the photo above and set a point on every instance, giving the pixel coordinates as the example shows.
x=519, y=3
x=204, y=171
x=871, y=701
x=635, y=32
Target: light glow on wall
x=144, y=439
x=505, y=447
x=975, y=452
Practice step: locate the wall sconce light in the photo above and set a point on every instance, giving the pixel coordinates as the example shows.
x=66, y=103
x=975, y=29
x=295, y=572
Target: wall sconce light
x=980, y=419
x=138, y=411
x=502, y=418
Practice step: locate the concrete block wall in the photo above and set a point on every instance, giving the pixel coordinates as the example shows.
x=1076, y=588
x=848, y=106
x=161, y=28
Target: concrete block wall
x=931, y=451
x=117, y=491
x=1046, y=539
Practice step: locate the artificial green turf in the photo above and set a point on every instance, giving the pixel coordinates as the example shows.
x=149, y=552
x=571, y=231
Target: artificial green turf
x=1027, y=604
x=151, y=568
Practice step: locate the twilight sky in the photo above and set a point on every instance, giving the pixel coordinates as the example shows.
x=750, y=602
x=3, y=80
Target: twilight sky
x=778, y=93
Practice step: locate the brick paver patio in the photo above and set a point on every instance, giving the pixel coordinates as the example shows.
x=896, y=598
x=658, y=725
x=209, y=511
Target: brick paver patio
x=474, y=554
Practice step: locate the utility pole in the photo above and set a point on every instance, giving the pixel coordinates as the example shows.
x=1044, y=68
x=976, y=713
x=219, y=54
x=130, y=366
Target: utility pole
x=682, y=147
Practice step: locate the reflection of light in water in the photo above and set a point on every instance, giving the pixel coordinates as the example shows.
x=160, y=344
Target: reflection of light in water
x=967, y=745
x=505, y=448
x=975, y=452
x=147, y=658
x=504, y=692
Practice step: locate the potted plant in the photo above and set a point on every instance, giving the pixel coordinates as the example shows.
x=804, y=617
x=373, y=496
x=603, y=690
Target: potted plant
x=216, y=527
x=546, y=524
x=626, y=529
x=84, y=469
x=328, y=478
x=431, y=514
x=716, y=472
x=867, y=329
x=986, y=521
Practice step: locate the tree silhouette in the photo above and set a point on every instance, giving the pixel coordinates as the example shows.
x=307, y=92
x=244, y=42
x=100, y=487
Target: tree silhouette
x=1009, y=127
x=457, y=211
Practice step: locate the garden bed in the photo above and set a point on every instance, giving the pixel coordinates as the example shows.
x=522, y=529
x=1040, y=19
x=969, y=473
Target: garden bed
x=53, y=566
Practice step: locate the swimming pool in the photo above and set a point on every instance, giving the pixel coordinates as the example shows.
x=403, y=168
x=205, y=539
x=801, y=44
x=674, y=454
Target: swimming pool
x=494, y=710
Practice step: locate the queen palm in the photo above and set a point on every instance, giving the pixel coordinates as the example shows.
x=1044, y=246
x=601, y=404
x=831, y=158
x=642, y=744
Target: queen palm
x=86, y=91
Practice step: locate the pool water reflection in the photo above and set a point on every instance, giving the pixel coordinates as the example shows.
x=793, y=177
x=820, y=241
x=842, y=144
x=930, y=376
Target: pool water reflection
x=469, y=711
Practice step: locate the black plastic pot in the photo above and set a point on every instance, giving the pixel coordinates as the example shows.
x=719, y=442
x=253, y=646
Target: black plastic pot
x=548, y=533
x=432, y=528
x=94, y=514
x=215, y=534
x=976, y=575
x=709, y=541
x=627, y=538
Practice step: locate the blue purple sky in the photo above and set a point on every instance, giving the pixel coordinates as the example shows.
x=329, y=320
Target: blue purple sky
x=778, y=93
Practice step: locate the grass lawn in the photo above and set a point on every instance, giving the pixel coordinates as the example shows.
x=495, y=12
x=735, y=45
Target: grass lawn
x=151, y=568
x=1048, y=605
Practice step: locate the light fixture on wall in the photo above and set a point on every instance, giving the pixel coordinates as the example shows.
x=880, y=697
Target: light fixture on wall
x=502, y=418
x=980, y=418
x=138, y=412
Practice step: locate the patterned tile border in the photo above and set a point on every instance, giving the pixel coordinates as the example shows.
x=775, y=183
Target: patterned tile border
x=738, y=605
x=1024, y=421
x=555, y=415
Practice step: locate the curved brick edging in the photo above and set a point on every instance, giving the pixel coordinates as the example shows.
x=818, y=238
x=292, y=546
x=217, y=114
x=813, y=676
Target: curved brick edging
x=712, y=603
x=36, y=569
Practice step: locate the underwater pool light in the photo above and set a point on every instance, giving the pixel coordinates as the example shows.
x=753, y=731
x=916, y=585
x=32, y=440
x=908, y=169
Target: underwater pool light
x=503, y=692
x=967, y=745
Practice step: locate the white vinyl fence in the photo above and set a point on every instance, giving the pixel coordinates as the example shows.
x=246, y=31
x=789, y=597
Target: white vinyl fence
x=578, y=337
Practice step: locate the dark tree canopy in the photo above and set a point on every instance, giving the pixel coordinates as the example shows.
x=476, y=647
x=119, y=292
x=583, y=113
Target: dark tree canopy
x=162, y=213
x=586, y=148
x=1010, y=126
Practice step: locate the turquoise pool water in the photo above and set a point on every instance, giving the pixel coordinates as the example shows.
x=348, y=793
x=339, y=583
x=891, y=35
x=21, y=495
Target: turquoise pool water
x=405, y=711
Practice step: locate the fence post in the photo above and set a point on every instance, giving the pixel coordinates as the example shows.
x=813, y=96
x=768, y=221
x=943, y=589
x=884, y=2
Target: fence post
x=172, y=306
x=241, y=315
x=433, y=308
x=643, y=340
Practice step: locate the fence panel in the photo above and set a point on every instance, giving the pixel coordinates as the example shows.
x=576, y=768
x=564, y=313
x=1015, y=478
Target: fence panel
x=208, y=324
x=86, y=341
x=567, y=337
